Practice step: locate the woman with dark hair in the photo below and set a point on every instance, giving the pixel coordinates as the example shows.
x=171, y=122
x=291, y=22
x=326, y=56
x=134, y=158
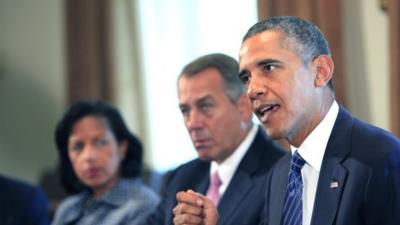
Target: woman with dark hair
x=100, y=164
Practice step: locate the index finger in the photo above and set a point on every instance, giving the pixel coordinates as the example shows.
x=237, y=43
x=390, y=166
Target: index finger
x=190, y=198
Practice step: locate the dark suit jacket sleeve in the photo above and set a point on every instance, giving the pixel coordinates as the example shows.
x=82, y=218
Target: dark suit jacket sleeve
x=383, y=189
x=378, y=153
x=36, y=212
x=22, y=203
x=158, y=216
x=192, y=175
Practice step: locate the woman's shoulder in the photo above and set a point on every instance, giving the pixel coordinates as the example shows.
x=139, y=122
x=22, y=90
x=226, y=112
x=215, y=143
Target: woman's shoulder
x=68, y=207
x=70, y=201
x=141, y=201
x=143, y=193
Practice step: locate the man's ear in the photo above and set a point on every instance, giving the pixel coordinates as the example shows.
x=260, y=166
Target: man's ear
x=244, y=106
x=324, y=66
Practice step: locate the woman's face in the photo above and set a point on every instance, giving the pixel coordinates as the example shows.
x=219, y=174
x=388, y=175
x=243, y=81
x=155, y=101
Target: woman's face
x=95, y=154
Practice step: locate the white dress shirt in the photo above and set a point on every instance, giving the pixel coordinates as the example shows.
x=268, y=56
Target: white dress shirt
x=312, y=150
x=227, y=168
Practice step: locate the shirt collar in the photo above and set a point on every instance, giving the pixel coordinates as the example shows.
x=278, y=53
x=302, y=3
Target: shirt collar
x=228, y=167
x=313, y=147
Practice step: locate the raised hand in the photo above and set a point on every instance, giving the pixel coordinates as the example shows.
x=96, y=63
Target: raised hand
x=194, y=208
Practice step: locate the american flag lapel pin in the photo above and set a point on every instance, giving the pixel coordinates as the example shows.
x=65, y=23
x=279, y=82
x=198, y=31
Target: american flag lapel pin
x=334, y=184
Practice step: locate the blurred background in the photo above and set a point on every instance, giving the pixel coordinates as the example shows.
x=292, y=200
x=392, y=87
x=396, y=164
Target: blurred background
x=130, y=52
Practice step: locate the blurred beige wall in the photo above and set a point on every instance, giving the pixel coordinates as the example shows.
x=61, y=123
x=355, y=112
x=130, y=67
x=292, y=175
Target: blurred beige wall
x=129, y=74
x=31, y=84
x=366, y=55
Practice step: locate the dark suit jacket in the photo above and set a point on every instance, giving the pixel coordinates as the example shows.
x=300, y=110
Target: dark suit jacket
x=242, y=201
x=365, y=162
x=22, y=203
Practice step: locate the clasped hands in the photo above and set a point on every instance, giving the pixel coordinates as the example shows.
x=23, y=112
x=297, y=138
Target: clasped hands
x=194, y=208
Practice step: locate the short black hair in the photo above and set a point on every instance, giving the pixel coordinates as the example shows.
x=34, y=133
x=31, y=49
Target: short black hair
x=303, y=37
x=131, y=165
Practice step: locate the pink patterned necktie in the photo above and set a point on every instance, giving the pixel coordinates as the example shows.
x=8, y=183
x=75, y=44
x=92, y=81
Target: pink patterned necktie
x=212, y=192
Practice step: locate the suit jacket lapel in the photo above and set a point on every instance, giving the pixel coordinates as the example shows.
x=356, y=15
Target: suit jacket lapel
x=277, y=191
x=200, y=180
x=238, y=189
x=330, y=187
x=241, y=182
x=332, y=178
x=202, y=186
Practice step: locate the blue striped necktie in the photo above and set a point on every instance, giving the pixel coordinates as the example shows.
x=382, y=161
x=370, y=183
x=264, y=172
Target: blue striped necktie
x=293, y=208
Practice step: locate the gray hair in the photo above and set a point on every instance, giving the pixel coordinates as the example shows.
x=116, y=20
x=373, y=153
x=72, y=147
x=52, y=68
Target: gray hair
x=228, y=68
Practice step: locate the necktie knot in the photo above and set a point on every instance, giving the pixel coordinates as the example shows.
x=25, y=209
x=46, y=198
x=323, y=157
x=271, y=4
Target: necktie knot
x=297, y=162
x=215, y=180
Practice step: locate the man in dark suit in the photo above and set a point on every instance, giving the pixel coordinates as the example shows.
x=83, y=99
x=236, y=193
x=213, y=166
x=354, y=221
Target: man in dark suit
x=341, y=171
x=218, y=117
x=21, y=203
